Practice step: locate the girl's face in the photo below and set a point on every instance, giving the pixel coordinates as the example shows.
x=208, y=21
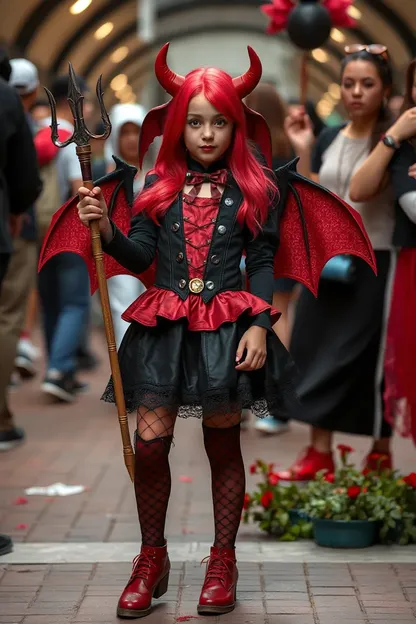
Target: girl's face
x=208, y=133
x=362, y=89
x=129, y=142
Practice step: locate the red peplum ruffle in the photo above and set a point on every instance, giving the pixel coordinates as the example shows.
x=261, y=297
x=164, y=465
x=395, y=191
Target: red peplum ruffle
x=225, y=307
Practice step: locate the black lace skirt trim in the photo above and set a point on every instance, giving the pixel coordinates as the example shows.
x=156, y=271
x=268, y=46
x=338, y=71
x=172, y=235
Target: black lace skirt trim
x=194, y=373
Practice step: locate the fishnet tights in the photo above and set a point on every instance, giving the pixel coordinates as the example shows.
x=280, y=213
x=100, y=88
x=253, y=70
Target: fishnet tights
x=223, y=449
x=152, y=480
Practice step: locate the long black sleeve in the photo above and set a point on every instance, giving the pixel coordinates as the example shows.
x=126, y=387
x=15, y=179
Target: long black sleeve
x=260, y=264
x=136, y=251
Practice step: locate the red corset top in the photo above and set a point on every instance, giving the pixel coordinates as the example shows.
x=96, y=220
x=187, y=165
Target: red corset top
x=199, y=217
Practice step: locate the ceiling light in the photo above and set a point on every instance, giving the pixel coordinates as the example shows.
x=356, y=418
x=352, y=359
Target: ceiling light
x=337, y=35
x=104, y=30
x=320, y=55
x=354, y=12
x=118, y=82
x=125, y=91
x=79, y=6
x=324, y=108
x=334, y=90
x=119, y=54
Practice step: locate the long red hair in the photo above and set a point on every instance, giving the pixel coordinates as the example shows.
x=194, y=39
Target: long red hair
x=254, y=181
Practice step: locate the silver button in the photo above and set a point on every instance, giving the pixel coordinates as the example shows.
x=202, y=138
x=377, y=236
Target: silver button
x=180, y=257
x=182, y=284
x=210, y=285
x=215, y=259
x=175, y=227
x=228, y=201
x=222, y=229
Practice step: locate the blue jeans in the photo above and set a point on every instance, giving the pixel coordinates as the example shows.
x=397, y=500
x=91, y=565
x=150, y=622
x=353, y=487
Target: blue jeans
x=64, y=291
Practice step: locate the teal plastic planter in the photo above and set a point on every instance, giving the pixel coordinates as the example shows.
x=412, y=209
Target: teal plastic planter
x=342, y=534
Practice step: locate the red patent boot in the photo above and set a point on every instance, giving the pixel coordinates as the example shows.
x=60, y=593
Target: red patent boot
x=378, y=462
x=149, y=579
x=308, y=464
x=219, y=591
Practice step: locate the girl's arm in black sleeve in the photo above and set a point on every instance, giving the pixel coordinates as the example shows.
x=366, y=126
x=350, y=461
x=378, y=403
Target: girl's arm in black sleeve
x=260, y=252
x=137, y=250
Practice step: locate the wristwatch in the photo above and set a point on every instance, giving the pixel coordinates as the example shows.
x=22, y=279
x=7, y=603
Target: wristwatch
x=390, y=142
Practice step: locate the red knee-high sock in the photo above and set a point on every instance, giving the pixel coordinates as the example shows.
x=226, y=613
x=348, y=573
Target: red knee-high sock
x=228, y=482
x=152, y=484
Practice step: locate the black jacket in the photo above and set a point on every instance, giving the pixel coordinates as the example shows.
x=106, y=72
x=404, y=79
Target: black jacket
x=404, y=234
x=20, y=182
x=222, y=271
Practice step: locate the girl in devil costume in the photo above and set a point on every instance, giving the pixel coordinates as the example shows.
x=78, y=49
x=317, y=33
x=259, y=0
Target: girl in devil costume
x=198, y=344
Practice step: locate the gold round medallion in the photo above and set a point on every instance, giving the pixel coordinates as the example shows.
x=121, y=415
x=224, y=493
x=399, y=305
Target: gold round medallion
x=196, y=285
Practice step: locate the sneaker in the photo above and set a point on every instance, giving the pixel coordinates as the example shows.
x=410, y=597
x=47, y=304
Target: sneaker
x=12, y=438
x=60, y=386
x=27, y=348
x=309, y=463
x=271, y=425
x=25, y=366
x=6, y=545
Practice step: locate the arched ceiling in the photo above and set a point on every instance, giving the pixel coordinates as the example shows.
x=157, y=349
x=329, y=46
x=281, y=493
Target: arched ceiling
x=47, y=33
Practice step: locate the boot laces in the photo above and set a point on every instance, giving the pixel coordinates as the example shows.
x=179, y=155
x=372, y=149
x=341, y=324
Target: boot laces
x=216, y=568
x=142, y=564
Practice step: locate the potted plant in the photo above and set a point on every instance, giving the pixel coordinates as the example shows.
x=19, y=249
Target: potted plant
x=277, y=510
x=349, y=508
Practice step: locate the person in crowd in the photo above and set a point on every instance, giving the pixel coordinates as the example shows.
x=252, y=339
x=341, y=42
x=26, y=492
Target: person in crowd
x=20, y=185
x=39, y=112
x=338, y=339
x=390, y=163
x=24, y=78
x=63, y=283
x=266, y=100
x=126, y=121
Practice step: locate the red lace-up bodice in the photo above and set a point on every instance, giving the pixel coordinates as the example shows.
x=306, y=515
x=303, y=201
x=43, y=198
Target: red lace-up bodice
x=199, y=217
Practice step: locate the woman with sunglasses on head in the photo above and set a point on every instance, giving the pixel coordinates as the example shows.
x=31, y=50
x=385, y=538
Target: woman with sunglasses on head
x=338, y=339
x=393, y=162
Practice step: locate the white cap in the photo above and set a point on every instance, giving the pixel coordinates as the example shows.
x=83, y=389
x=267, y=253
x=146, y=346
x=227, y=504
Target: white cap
x=24, y=76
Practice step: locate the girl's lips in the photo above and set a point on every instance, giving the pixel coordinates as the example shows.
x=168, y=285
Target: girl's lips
x=207, y=148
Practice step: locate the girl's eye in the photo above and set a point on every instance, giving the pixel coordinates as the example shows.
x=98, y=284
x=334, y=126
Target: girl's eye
x=220, y=122
x=194, y=123
x=369, y=84
x=347, y=85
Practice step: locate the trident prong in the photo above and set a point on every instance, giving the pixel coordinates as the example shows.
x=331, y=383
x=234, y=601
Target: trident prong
x=81, y=134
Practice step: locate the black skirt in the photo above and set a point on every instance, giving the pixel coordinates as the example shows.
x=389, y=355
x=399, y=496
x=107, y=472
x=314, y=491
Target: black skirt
x=193, y=372
x=338, y=343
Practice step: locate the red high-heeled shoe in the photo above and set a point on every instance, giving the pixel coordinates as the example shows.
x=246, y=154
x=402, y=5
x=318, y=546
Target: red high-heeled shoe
x=308, y=464
x=219, y=591
x=149, y=579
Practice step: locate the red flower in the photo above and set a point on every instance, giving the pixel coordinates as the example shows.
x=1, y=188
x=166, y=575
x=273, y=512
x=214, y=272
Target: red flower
x=338, y=10
x=247, y=501
x=266, y=499
x=330, y=477
x=273, y=478
x=354, y=491
x=344, y=449
x=411, y=479
x=278, y=11
x=253, y=468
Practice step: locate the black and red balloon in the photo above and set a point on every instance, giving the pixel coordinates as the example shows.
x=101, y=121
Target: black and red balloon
x=308, y=22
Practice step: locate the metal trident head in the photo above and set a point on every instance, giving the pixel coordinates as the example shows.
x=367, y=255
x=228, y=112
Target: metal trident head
x=81, y=134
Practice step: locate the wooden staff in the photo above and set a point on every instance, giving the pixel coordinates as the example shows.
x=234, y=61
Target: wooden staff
x=81, y=137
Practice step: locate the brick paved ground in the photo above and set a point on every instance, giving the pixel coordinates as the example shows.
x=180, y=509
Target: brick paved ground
x=282, y=593
x=80, y=444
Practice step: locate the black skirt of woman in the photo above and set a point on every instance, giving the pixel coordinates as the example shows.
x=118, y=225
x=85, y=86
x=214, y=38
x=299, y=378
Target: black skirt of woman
x=194, y=371
x=338, y=345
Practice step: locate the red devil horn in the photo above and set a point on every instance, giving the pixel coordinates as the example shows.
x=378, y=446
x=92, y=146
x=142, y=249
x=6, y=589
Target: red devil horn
x=245, y=83
x=170, y=81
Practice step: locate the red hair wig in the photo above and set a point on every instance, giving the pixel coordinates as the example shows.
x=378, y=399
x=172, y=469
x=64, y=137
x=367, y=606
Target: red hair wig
x=252, y=178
